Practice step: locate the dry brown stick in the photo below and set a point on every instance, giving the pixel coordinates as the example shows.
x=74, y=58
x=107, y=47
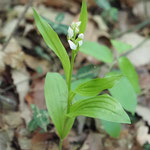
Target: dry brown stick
x=17, y=24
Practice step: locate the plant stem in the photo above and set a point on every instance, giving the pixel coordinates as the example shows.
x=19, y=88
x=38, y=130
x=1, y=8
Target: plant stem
x=60, y=144
x=70, y=76
x=71, y=69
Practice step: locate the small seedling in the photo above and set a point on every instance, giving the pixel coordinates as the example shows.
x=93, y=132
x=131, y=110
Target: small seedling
x=40, y=119
x=59, y=95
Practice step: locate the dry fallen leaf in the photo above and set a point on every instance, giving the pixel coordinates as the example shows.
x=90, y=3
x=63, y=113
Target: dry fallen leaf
x=36, y=96
x=128, y=3
x=141, y=55
x=93, y=142
x=123, y=21
x=9, y=25
x=143, y=135
x=92, y=32
x=35, y=63
x=144, y=112
x=51, y=14
x=41, y=141
x=5, y=142
x=2, y=64
x=21, y=81
x=14, y=56
x=12, y=119
x=139, y=9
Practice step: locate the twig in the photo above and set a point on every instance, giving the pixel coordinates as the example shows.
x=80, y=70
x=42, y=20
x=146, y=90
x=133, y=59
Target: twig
x=19, y=20
x=137, y=46
x=128, y=52
x=133, y=29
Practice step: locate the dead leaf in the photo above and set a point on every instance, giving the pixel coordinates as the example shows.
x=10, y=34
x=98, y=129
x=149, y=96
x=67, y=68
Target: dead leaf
x=14, y=56
x=4, y=5
x=144, y=77
x=141, y=55
x=12, y=119
x=92, y=33
x=128, y=3
x=9, y=25
x=51, y=13
x=144, y=112
x=139, y=9
x=2, y=64
x=81, y=123
x=24, y=42
x=40, y=141
x=36, y=96
x=71, y=6
x=143, y=135
x=35, y=63
x=93, y=142
x=5, y=142
x=21, y=81
x=24, y=143
x=100, y=22
x=123, y=21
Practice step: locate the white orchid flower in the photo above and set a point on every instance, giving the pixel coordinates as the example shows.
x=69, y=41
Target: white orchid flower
x=81, y=36
x=70, y=33
x=78, y=23
x=76, y=30
x=72, y=45
x=80, y=42
x=75, y=26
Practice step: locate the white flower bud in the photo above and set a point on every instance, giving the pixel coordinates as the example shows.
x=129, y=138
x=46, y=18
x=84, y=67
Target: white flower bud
x=75, y=26
x=81, y=36
x=78, y=24
x=76, y=30
x=70, y=33
x=80, y=42
x=72, y=45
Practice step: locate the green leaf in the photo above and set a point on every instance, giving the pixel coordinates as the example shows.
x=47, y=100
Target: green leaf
x=52, y=40
x=112, y=128
x=57, y=27
x=68, y=123
x=89, y=71
x=32, y=125
x=98, y=51
x=125, y=94
x=121, y=46
x=60, y=17
x=103, y=4
x=56, y=95
x=75, y=84
x=114, y=13
x=83, y=17
x=102, y=107
x=40, y=119
x=129, y=71
x=95, y=86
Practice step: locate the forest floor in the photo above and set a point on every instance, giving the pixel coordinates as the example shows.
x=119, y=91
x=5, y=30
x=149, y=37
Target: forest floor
x=25, y=59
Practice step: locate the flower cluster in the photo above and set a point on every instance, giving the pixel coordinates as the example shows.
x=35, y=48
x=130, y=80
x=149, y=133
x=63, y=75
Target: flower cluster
x=73, y=40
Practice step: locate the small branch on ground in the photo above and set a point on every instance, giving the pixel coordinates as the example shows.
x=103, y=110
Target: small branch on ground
x=133, y=29
x=17, y=24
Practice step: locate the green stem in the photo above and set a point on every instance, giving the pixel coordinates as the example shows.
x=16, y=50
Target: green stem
x=71, y=69
x=60, y=144
x=70, y=76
